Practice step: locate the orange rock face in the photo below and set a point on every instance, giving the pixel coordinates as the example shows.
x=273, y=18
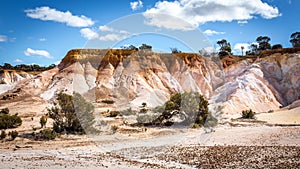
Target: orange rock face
x=124, y=78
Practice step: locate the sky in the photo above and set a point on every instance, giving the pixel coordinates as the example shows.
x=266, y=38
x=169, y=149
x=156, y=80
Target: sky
x=43, y=31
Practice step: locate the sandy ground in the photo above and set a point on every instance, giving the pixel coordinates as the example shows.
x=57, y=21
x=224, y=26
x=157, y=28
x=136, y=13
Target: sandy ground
x=236, y=144
x=281, y=117
x=175, y=148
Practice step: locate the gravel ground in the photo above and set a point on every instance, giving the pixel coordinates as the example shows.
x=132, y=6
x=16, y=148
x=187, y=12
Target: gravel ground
x=227, y=147
x=195, y=156
x=235, y=156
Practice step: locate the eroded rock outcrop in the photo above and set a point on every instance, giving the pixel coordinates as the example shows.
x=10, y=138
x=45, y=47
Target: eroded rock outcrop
x=266, y=84
x=9, y=78
x=124, y=78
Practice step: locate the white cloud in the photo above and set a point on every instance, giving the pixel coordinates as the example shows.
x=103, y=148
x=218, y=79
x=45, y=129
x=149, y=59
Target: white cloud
x=105, y=28
x=42, y=39
x=167, y=21
x=89, y=33
x=48, y=14
x=57, y=62
x=111, y=37
x=136, y=5
x=198, y=12
x=32, y=52
x=209, y=32
x=18, y=61
x=242, y=22
x=3, y=38
x=208, y=50
x=238, y=47
x=124, y=32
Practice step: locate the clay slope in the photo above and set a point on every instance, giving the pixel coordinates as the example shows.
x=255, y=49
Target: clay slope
x=266, y=84
x=120, y=79
x=123, y=79
x=9, y=78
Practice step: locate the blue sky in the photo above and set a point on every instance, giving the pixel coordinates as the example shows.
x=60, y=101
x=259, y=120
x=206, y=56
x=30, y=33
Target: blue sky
x=42, y=31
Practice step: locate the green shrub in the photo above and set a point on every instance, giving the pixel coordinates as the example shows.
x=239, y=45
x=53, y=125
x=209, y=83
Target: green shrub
x=33, y=128
x=144, y=119
x=108, y=101
x=72, y=114
x=143, y=110
x=48, y=134
x=211, y=121
x=248, y=114
x=113, y=114
x=159, y=109
x=43, y=121
x=33, y=134
x=128, y=112
x=114, y=129
x=194, y=105
x=4, y=111
x=195, y=126
x=2, y=135
x=13, y=135
x=9, y=121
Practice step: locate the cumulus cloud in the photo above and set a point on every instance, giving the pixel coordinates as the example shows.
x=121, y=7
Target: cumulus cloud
x=18, y=61
x=32, y=52
x=49, y=14
x=3, y=38
x=198, y=12
x=238, y=47
x=136, y=5
x=89, y=33
x=42, y=39
x=167, y=21
x=105, y=28
x=109, y=34
x=116, y=35
x=111, y=37
x=209, y=32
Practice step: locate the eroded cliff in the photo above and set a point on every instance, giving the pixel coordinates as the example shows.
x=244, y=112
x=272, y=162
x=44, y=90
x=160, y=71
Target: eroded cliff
x=120, y=79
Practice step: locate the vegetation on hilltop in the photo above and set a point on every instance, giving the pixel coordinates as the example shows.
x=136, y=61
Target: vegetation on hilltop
x=26, y=68
x=295, y=39
x=225, y=47
x=261, y=46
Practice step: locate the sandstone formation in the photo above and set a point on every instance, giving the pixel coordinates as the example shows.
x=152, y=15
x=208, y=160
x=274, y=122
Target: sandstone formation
x=119, y=79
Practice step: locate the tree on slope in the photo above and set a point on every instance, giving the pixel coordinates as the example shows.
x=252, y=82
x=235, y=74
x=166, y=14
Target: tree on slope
x=295, y=39
x=193, y=105
x=71, y=114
